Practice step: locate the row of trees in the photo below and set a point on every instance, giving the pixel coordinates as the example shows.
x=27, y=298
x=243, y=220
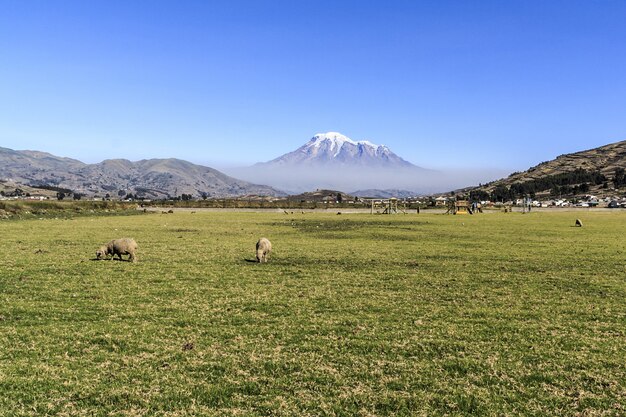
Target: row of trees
x=75, y=196
x=17, y=193
x=549, y=182
x=575, y=182
x=620, y=178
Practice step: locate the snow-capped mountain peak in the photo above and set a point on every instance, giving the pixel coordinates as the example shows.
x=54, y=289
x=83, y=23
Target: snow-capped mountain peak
x=335, y=137
x=334, y=161
x=333, y=148
x=335, y=141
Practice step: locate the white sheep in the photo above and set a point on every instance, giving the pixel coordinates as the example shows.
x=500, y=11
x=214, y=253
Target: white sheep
x=263, y=249
x=119, y=247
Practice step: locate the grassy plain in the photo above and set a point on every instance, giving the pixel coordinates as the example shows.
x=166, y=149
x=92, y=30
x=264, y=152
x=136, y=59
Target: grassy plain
x=495, y=314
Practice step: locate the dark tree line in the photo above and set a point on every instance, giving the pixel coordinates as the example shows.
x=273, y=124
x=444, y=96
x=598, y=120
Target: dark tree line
x=52, y=188
x=574, y=182
x=578, y=176
x=619, y=180
x=17, y=193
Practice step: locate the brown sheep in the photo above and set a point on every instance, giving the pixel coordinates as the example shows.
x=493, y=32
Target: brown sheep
x=263, y=249
x=119, y=247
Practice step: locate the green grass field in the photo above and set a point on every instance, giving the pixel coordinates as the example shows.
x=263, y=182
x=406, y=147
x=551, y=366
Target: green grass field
x=354, y=315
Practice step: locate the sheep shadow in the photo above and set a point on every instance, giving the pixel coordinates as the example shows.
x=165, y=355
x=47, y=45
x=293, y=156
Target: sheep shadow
x=251, y=260
x=111, y=259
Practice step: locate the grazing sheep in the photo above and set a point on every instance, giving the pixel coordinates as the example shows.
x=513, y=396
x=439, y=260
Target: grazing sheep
x=101, y=253
x=119, y=247
x=263, y=249
x=579, y=223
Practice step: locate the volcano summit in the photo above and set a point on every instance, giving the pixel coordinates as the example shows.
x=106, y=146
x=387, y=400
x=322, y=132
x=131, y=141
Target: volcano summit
x=334, y=161
x=333, y=148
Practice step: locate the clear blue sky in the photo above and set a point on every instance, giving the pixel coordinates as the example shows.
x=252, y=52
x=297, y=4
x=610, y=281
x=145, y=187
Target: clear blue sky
x=503, y=84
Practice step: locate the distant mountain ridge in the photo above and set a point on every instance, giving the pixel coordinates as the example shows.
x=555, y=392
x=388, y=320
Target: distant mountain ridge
x=383, y=193
x=152, y=178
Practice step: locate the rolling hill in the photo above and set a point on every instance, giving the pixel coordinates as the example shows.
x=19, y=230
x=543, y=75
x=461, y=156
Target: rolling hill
x=151, y=178
x=598, y=170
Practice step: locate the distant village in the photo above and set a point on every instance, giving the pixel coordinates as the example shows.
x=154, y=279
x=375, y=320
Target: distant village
x=321, y=198
x=587, y=200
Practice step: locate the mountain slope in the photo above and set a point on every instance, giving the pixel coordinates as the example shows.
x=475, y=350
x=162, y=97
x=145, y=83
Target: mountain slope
x=152, y=178
x=604, y=159
x=588, y=171
x=34, y=167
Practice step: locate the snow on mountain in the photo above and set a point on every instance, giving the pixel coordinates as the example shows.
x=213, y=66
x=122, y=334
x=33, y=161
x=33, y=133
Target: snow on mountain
x=333, y=148
x=334, y=161
x=334, y=141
